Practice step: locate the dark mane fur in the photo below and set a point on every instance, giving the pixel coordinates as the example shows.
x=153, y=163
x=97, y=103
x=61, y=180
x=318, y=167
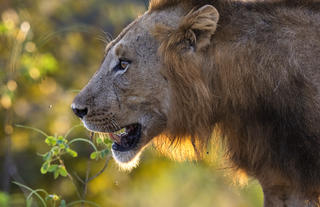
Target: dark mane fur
x=258, y=83
x=163, y=4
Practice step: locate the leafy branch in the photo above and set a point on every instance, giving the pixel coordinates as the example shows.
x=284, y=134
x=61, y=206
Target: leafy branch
x=53, y=162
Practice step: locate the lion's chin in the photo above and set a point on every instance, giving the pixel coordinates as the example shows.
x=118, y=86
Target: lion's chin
x=127, y=160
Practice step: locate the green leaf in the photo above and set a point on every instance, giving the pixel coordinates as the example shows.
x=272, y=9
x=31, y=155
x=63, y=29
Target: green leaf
x=108, y=143
x=62, y=171
x=94, y=155
x=56, y=174
x=53, y=168
x=103, y=153
x=51, y=141
x=55, y=150
x=47, y=156
x=72, y=152
x=99, y=141
x=61, y=140
x=62, y=146
x=44, y=167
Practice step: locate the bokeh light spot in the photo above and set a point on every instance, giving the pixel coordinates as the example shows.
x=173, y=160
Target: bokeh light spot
x=10, y=18
x=6, y=101
x=12, y=85
x=8, y=129
x=34, y=73
x=30, y=47
x=48, y=86
x=21, y=107
x=25, y=27
x=60, y=125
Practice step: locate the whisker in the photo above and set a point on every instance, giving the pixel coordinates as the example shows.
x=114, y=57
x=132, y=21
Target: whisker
x=102, y=39
x=113, y=125
x=108, y=36
x=116, y=123
x=105, y=37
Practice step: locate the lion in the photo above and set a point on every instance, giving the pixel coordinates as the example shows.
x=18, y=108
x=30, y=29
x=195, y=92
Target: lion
x=249, y=70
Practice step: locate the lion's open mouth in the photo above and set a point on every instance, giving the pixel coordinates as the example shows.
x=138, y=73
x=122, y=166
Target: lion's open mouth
x=127, y=138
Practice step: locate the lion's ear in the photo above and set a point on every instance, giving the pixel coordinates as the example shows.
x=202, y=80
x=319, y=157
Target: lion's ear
x=199, y=25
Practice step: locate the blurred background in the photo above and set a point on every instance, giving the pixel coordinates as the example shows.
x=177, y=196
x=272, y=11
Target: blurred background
x=49, y=49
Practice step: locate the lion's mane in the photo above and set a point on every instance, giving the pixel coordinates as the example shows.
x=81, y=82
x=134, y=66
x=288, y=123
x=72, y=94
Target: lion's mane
x=266, y=107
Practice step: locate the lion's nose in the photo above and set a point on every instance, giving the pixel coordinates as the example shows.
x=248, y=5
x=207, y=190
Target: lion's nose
x=80, y=112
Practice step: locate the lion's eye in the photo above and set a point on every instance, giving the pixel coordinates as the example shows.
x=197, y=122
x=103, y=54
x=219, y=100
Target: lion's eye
x=122, y=65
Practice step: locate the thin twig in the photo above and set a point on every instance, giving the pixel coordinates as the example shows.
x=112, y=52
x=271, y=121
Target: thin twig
x=75, y=184
x=102, y=170
x=86, y=180
x=78, y=177
x=85, y=189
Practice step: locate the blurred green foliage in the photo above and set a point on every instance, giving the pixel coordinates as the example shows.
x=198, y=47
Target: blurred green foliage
x=48, y=51
x=4, y=199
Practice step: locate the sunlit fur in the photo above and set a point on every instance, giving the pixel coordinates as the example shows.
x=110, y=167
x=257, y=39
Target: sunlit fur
x=130, y=163
x=177, y=149
x=191, y=115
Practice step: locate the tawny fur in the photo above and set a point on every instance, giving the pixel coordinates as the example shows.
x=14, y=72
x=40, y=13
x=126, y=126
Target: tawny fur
x=249, y=70
x=258, y=81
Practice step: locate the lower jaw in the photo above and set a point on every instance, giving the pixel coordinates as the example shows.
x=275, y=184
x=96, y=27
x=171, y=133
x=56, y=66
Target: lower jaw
x=126, y=160
x=129, y=159
x=123, y=157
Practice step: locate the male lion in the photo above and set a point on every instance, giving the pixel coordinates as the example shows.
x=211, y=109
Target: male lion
x=250, y=69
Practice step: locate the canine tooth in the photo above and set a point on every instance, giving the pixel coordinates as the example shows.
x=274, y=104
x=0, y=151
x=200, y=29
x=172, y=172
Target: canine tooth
x=120, y=132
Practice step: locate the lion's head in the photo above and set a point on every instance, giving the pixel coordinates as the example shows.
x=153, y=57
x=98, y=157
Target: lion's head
x=149, y=82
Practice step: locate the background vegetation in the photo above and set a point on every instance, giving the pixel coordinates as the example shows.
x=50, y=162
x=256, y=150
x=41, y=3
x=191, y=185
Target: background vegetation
x=48, y=51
